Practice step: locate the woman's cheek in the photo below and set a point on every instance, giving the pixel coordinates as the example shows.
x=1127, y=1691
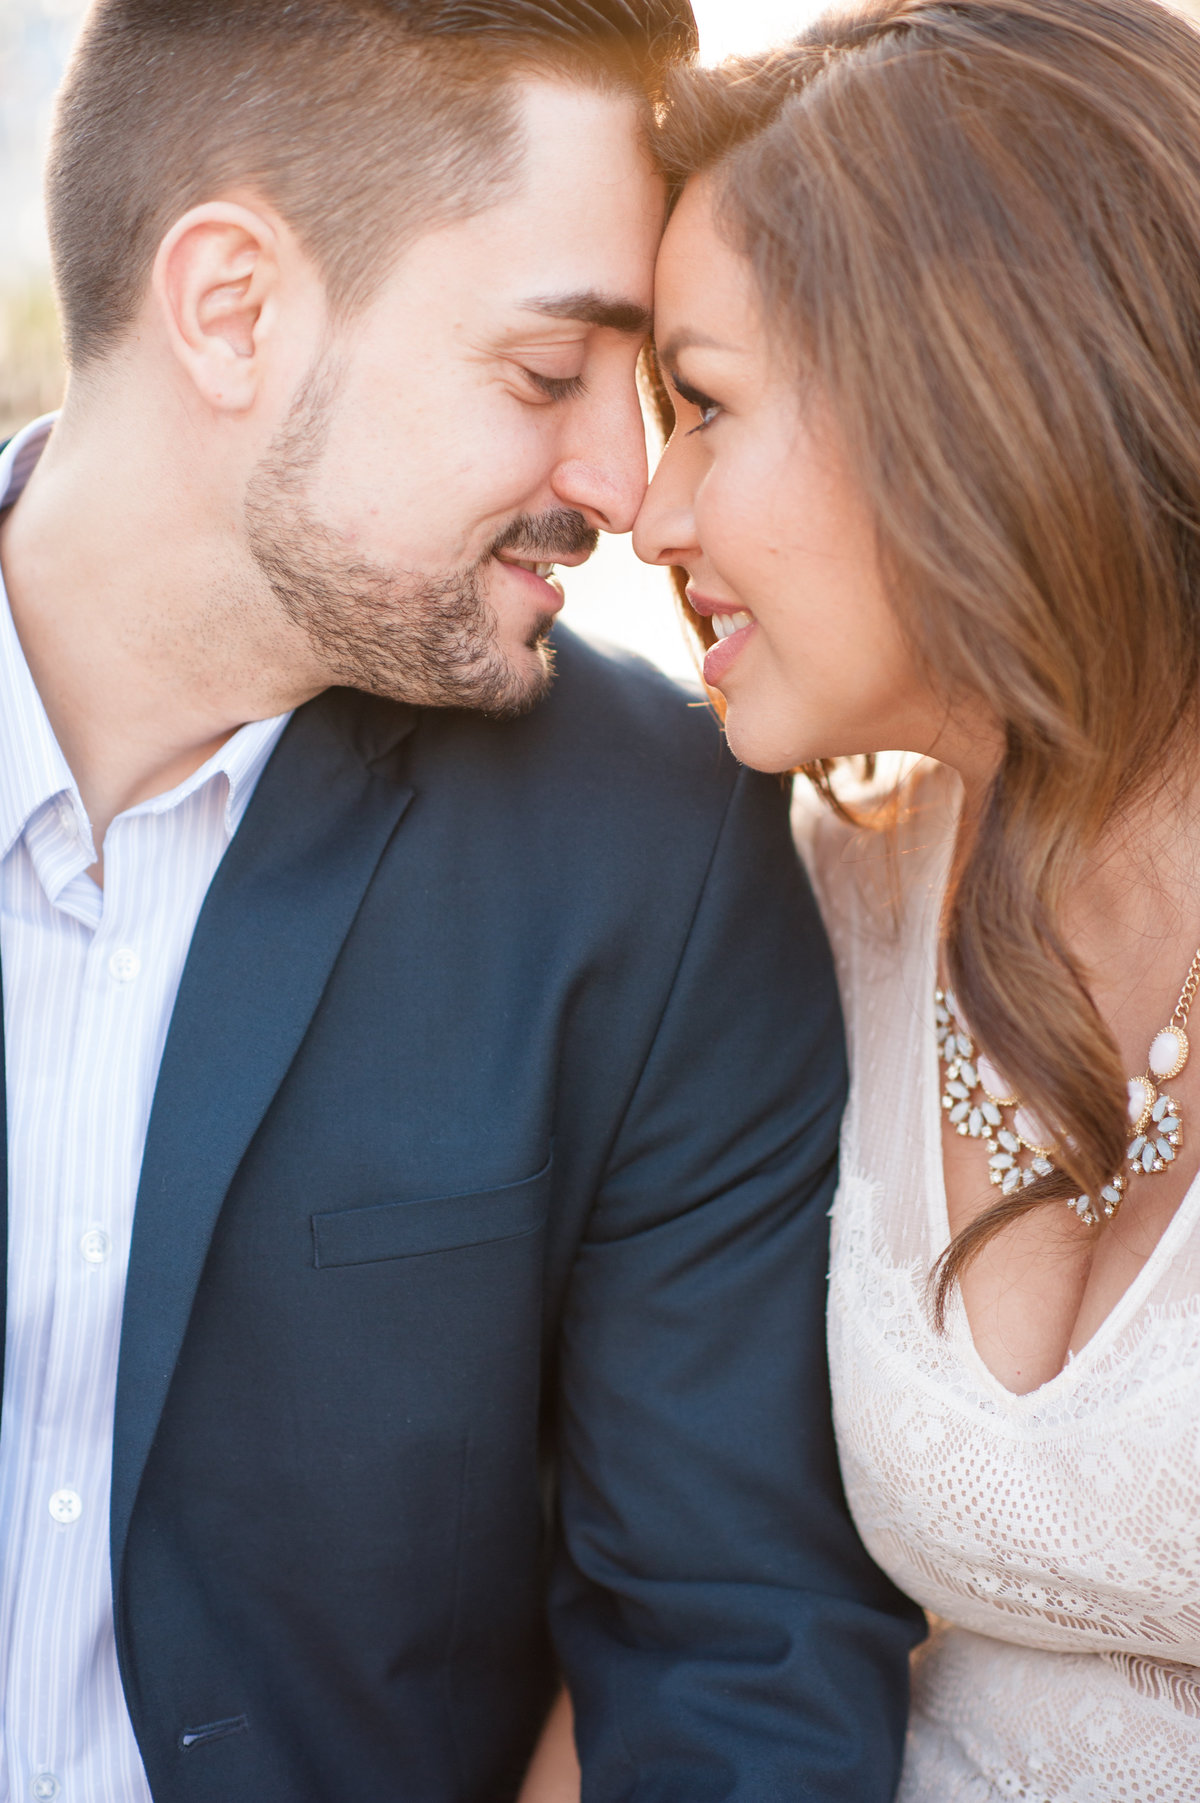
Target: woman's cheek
x=729, y=535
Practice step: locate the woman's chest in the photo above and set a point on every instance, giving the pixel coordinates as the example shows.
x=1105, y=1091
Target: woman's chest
x=1035, y=1293
x=1061, y=1517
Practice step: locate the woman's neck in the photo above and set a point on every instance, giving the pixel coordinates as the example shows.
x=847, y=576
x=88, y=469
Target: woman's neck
x=1131, y=916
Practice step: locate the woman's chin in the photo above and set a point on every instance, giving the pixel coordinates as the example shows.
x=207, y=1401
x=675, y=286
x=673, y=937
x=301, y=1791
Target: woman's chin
x=754, y=744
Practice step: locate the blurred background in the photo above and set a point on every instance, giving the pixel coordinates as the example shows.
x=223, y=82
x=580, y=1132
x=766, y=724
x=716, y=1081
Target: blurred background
x=613, y=596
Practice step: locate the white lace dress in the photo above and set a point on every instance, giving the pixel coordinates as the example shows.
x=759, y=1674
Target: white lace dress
x=1054, y=1537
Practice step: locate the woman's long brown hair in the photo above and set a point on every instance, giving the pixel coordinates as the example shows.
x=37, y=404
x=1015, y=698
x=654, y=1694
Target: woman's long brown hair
x=976, y=223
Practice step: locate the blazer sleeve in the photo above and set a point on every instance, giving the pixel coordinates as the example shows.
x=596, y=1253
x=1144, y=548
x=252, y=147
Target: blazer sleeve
x=723, y=1632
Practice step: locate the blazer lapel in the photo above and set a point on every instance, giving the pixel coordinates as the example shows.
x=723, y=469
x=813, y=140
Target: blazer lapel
x=272, y=925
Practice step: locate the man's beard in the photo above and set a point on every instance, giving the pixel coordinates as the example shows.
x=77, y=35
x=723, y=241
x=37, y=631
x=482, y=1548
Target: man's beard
x=432, y=640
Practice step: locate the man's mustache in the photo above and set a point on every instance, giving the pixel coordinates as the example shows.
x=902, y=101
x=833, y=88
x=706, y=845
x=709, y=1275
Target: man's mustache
x=545, y=537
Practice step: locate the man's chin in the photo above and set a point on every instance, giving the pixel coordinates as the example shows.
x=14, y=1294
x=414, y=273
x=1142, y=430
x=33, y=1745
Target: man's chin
x=539, y=634
x=532, y=670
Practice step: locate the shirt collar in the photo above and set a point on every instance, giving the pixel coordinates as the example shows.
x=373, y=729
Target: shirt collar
x=240, y=760
x=32, y=767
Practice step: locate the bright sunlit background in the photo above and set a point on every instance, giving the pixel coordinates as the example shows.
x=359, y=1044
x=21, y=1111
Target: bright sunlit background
x=613, y=596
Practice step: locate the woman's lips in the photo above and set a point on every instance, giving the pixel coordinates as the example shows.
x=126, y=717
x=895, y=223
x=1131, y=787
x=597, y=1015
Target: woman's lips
x=719, y=656
x=733, y=627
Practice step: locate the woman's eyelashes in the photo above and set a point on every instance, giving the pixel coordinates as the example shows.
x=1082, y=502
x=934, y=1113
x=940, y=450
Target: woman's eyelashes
x=706, y=407
x=556, y=388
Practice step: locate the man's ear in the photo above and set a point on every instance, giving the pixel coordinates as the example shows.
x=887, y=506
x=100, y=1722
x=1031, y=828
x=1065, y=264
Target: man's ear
x=216, y=281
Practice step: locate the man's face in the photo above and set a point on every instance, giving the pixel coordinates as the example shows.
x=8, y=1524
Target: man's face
x=480, y=418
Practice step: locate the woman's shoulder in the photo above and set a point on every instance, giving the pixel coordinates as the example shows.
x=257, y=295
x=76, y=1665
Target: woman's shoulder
x=871, y=865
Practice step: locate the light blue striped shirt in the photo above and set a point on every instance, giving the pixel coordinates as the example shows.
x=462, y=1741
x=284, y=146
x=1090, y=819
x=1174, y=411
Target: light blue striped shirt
x=90, y=979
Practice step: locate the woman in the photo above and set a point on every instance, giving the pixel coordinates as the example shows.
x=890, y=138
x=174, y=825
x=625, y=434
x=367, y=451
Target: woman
x=929, y=312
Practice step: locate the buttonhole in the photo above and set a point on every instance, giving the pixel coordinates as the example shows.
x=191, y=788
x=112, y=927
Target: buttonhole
x=196, y=1737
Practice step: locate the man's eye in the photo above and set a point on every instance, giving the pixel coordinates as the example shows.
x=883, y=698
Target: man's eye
x=707, y=408
x=557, y=388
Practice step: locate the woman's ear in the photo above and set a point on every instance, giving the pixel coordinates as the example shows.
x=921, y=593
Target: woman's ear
x=216, y=282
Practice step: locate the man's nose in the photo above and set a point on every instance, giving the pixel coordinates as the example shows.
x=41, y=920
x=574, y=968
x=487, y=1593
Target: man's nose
x=603, y=471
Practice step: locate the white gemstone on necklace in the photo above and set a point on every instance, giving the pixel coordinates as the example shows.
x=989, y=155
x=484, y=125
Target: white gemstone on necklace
x=1030, y=1130
x=1142, y=1098
x=993, y=1083
x=1168, y=1053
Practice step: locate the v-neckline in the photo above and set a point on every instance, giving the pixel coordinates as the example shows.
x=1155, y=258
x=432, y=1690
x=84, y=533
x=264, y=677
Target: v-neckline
x=958, y=1324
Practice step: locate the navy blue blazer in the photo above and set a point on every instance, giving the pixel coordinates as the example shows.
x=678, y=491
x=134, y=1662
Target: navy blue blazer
x=474, y=1321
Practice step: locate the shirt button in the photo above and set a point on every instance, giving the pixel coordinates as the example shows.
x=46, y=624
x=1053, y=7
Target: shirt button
x=68, y=820
x=95, y=1245
x=124, y=965
x=66, y=1506
x=44, y=1784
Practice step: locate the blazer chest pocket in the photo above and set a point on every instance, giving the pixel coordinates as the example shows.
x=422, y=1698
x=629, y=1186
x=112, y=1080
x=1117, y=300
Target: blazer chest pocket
x=363, y=1236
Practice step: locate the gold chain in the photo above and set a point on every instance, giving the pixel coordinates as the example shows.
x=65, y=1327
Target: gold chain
x=1187, y=994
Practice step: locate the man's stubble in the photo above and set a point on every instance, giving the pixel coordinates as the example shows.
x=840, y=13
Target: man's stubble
x=408, y=635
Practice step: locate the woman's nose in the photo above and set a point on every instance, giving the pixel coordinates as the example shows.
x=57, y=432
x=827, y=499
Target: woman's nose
x=665, y=531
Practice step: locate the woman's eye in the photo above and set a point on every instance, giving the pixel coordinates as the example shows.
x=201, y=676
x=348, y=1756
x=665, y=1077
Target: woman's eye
x=708, y=413
x=706, y=407
x=556, y=388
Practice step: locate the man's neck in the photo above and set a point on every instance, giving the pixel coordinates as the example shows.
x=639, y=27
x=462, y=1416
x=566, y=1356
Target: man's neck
x=149, y=639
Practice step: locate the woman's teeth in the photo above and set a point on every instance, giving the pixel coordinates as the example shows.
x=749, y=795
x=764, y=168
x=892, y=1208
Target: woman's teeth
x=724, y=624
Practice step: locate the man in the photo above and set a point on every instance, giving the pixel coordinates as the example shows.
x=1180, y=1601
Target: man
x=473, y=1064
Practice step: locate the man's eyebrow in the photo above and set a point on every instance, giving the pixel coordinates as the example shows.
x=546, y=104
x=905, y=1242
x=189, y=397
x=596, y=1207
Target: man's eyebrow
x=592, y=309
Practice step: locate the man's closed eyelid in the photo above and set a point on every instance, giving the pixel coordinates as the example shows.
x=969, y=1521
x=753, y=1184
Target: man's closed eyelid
x=556, y=388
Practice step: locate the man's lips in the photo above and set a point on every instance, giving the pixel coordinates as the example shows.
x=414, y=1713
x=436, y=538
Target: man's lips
x=568, y=559
x=539, y=579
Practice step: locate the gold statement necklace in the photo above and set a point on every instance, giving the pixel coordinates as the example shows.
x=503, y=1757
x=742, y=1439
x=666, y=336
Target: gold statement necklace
x=975, y=1097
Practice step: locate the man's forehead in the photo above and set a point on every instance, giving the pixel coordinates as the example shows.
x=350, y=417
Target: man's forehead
x=571, y=245
x=589, y=205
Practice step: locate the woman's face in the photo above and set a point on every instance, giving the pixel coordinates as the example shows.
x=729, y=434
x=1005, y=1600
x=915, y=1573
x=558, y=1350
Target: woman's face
x=753, y=498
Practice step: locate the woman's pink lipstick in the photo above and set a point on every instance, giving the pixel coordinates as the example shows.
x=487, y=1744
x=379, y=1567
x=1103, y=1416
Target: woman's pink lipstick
x=738, y=627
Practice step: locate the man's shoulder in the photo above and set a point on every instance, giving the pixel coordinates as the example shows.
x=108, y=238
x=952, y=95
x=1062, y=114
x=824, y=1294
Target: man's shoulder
x=615, y=713
x=617, y=762
x=615, y=675
x=612, y=727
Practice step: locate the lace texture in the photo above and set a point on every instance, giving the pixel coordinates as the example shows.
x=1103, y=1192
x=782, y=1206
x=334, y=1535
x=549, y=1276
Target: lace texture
x=1055, y=1536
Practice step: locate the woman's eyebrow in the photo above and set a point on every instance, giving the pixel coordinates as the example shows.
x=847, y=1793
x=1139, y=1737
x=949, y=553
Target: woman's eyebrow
x=687, y=340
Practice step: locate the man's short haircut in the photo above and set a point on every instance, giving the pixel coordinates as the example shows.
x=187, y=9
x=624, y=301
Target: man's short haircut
x=362, y=122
